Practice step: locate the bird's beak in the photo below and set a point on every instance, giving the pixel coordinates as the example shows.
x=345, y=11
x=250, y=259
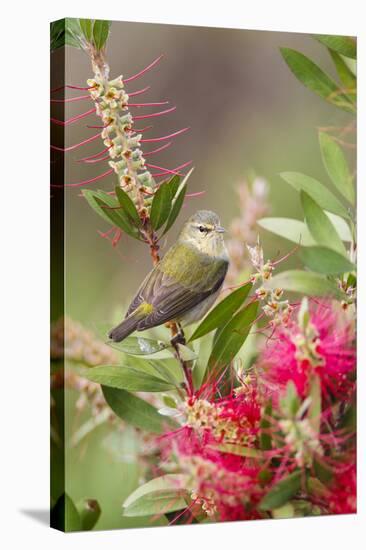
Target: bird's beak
x=220, y=229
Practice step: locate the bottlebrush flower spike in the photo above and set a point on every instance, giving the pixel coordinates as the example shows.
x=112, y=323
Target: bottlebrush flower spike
x=121, y=139
x=321, y=340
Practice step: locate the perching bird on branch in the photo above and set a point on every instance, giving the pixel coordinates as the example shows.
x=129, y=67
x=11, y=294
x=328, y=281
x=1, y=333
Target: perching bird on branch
x=184, y=285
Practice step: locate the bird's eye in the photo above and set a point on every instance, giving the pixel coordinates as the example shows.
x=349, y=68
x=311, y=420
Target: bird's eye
x=202, y=228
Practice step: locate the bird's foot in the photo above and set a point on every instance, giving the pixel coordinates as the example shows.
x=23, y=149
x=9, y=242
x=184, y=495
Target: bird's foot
x=179, y=338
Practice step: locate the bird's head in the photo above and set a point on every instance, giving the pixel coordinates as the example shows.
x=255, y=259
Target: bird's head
x=203, y=230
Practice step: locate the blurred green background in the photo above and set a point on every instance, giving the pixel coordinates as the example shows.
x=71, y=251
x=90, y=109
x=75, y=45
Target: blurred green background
x=247, y=112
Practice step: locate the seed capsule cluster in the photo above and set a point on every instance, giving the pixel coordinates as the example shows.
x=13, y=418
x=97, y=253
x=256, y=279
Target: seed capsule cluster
x=122, y=141
x=278, y=310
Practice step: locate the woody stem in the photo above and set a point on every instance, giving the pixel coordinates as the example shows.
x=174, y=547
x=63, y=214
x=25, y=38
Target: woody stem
x=178, y=338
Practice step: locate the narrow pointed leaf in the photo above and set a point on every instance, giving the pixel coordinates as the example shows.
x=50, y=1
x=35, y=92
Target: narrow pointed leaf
x=177, y=202
x=324, y=260
x=223, y=312
x=158, y=496
x=346, y=76
x=161, y=205
x=341, y=227
x=86, y=26
x=290, y=229
x=126, y=378
x=282, y=492
x=337, y=167
x=320, y=226
x=117, y=217
x=100, y=33
x=317, y=191
x=305, y=282
x=345, y=45
x=127, y=205
x=90, y=196
x=314, y=78
x=110, y=210
x=134, y=410
x=231, y=339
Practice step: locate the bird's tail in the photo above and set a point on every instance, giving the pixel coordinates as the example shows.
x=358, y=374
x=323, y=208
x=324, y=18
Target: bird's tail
x=124, y=329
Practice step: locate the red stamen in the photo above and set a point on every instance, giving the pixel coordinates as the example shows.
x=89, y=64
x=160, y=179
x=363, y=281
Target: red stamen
x=174, y=171
x=139, y=92
x=85, y=182
x=197, y=194
x=156, y=104
x=69, y=100
x=73, y=119
x=154, y=151
x=160, y=113
x=143, y=129
x=96, y=155
x=162, y=138
x=69, y=87
x=159, y=174
x=137, y=75
x=107, y=157
x=72, y=147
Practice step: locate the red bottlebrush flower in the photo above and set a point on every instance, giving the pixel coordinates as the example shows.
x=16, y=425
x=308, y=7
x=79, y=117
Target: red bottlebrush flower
x=325, y=346
x=343, y=497
x=224, y=485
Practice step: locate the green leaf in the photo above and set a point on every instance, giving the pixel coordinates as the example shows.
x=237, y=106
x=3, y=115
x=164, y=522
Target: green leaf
x=231, y=339
x=290, y=229
x=100, y=33
x=65, y=32
x=117, y=216
x=315, y=79
x=126, y=378
x=345, y=45
x=137, y=345
x=64, y=515
x=89, y=512
x=128, y=206
x=239, y=450
x=134, y=410
x=337, y=167
x=318, y=192
x=223, y=312
x=305, y=282
x=173, y=184
x=324, y=260
x=91, y=196
x=86, y=26
x=297, y=232
x=110, y=210
x=177, y=202
x=57, y=34
x=158, y=496
x=282, y=492
x=345, y=74
x=73, y=33
x=161, y=205
x=320, y=226
x=341, y=227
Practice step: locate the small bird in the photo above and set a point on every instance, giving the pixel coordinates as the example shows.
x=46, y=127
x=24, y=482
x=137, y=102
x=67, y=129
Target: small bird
x=184, y=285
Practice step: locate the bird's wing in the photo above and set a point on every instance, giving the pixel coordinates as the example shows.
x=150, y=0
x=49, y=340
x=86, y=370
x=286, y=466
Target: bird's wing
x=173, y=287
